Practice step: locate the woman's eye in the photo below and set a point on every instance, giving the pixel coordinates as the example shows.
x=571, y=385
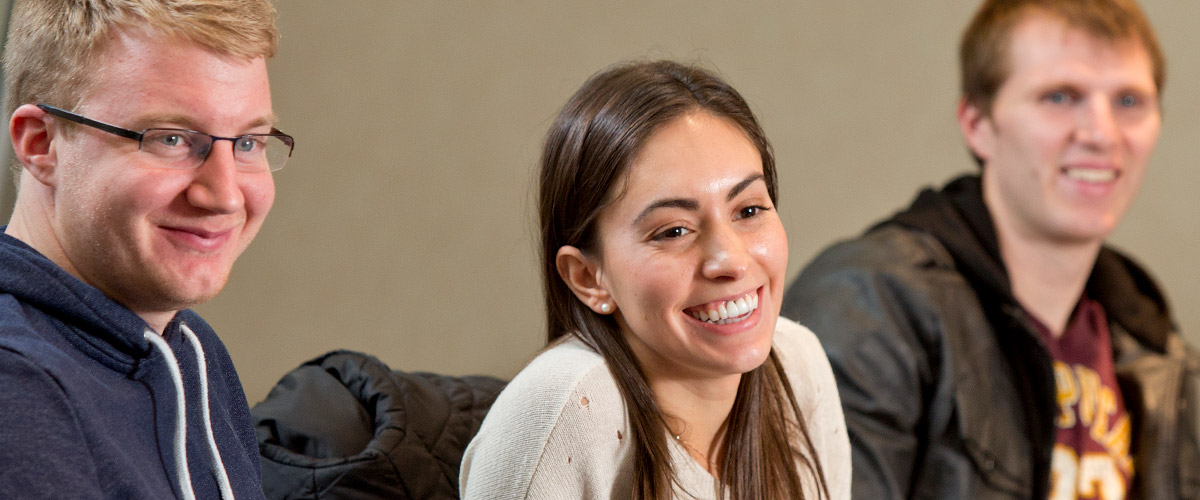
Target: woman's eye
x=672, y=233
x=749, y=212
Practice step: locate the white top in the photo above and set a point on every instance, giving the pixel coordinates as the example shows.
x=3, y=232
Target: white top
x=559, y=430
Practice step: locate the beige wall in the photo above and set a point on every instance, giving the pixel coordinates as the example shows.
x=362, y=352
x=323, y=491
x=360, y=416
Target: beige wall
x=403, y=225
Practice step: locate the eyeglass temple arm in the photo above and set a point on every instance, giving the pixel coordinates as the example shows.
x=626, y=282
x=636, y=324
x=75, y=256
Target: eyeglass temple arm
x=112, y=129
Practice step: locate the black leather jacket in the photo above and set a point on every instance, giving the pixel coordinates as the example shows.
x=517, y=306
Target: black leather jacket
x=948, y=390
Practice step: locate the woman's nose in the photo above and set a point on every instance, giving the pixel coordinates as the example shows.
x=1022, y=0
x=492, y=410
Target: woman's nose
x=725, y=255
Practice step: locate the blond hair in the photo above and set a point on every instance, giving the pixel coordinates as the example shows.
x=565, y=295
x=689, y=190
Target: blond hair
x=54, y=45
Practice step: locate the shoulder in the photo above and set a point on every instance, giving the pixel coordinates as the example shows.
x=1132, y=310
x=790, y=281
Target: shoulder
x=890, y=259
x=556, y=429
x=793, y=339
x=564, y=369
x=820, y=404
x=886, y=247
x=30, y=348
x=805, y=363
x=24, y=372
x=563, y=384
x=22, y=325
x=43, y=449
x=892, y=279
x=801, y=354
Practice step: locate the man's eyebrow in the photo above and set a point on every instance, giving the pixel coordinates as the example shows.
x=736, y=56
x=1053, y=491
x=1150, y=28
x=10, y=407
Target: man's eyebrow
x=264, y=121
x=184, y=121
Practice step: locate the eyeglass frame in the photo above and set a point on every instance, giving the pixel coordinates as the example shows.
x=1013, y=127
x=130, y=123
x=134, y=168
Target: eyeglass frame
x=135, y=135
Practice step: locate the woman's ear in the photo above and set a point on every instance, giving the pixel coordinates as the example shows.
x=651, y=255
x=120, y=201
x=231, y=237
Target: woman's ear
x=583, y=276
x=32, y=135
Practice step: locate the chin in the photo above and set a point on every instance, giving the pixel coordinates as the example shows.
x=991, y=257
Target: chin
x=186, y=293
x=1089, y=230
x=750, y=360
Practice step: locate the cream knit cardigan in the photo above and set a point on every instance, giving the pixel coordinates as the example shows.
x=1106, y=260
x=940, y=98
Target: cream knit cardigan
x=559, y=430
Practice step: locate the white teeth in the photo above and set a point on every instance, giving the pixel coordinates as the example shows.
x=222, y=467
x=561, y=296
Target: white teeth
x=730, y=311
x=1091, y=174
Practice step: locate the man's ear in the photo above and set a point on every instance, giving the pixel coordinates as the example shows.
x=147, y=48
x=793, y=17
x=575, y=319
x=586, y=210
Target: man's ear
x=977, y=129
x=584, y=277
x=31, y=133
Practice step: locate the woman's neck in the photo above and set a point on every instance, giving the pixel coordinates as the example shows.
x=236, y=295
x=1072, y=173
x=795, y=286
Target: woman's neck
x=696, y=413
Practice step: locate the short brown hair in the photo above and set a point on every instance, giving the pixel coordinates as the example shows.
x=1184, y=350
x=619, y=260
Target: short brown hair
x=53, y=44
x=983, y=53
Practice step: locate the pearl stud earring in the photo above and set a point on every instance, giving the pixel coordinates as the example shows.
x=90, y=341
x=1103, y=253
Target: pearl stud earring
x=605, y=308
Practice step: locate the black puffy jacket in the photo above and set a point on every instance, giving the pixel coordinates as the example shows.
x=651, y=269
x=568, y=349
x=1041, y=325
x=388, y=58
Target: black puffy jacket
x=345, y=426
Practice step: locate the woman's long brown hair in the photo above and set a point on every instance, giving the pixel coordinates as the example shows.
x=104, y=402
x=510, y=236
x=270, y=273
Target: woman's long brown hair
x=588, y=148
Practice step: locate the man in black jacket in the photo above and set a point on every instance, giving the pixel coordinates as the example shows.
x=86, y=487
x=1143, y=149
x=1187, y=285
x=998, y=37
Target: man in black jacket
x=987, y=343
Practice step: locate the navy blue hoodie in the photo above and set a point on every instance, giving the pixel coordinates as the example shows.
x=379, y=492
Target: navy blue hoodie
x=89, y=404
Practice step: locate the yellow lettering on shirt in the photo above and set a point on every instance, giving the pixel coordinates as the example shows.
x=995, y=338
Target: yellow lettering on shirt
x=1068, y=395
x=1089, y=388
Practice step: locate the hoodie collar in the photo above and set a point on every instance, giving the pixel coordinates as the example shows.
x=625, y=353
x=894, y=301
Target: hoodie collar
x=958, y=218
x=98, y=326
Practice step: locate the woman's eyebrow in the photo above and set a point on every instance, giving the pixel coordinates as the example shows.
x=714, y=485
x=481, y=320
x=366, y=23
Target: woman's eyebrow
x=693, y=205
x=684, y=203
x=741, y=186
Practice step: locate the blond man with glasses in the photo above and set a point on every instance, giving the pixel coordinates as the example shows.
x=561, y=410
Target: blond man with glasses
x=131, y=209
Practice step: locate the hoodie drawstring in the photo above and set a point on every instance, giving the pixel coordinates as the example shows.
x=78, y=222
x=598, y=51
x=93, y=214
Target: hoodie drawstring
x=181, y=466
x=218, y=464
x=181, y=462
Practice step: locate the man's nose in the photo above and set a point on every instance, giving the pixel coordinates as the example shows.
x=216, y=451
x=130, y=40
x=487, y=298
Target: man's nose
x=215, y=187
x=1097, y=124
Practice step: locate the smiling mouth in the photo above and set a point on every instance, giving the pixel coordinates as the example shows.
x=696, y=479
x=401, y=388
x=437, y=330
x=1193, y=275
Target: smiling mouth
x=198, y=239
x=724, y=312
x=1093, y=175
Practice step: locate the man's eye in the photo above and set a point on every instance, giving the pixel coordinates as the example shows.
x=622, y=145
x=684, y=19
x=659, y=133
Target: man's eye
x=171, y=140
x=1128, y=101
x=1060, y=97
x=248, y=144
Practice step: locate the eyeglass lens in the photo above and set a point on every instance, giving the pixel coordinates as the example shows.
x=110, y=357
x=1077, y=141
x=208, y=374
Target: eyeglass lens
x=188, y=149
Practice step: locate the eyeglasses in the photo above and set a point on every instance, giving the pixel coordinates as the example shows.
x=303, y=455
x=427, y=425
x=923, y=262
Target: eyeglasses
x=188, y=149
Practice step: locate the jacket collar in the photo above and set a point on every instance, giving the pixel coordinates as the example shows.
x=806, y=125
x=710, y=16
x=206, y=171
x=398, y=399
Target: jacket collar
x=958, y=218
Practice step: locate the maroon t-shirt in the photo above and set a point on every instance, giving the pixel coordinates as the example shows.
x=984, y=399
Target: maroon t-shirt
x=1091, y=452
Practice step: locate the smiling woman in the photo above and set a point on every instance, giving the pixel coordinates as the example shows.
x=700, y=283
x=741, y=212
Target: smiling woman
x=669, y=373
